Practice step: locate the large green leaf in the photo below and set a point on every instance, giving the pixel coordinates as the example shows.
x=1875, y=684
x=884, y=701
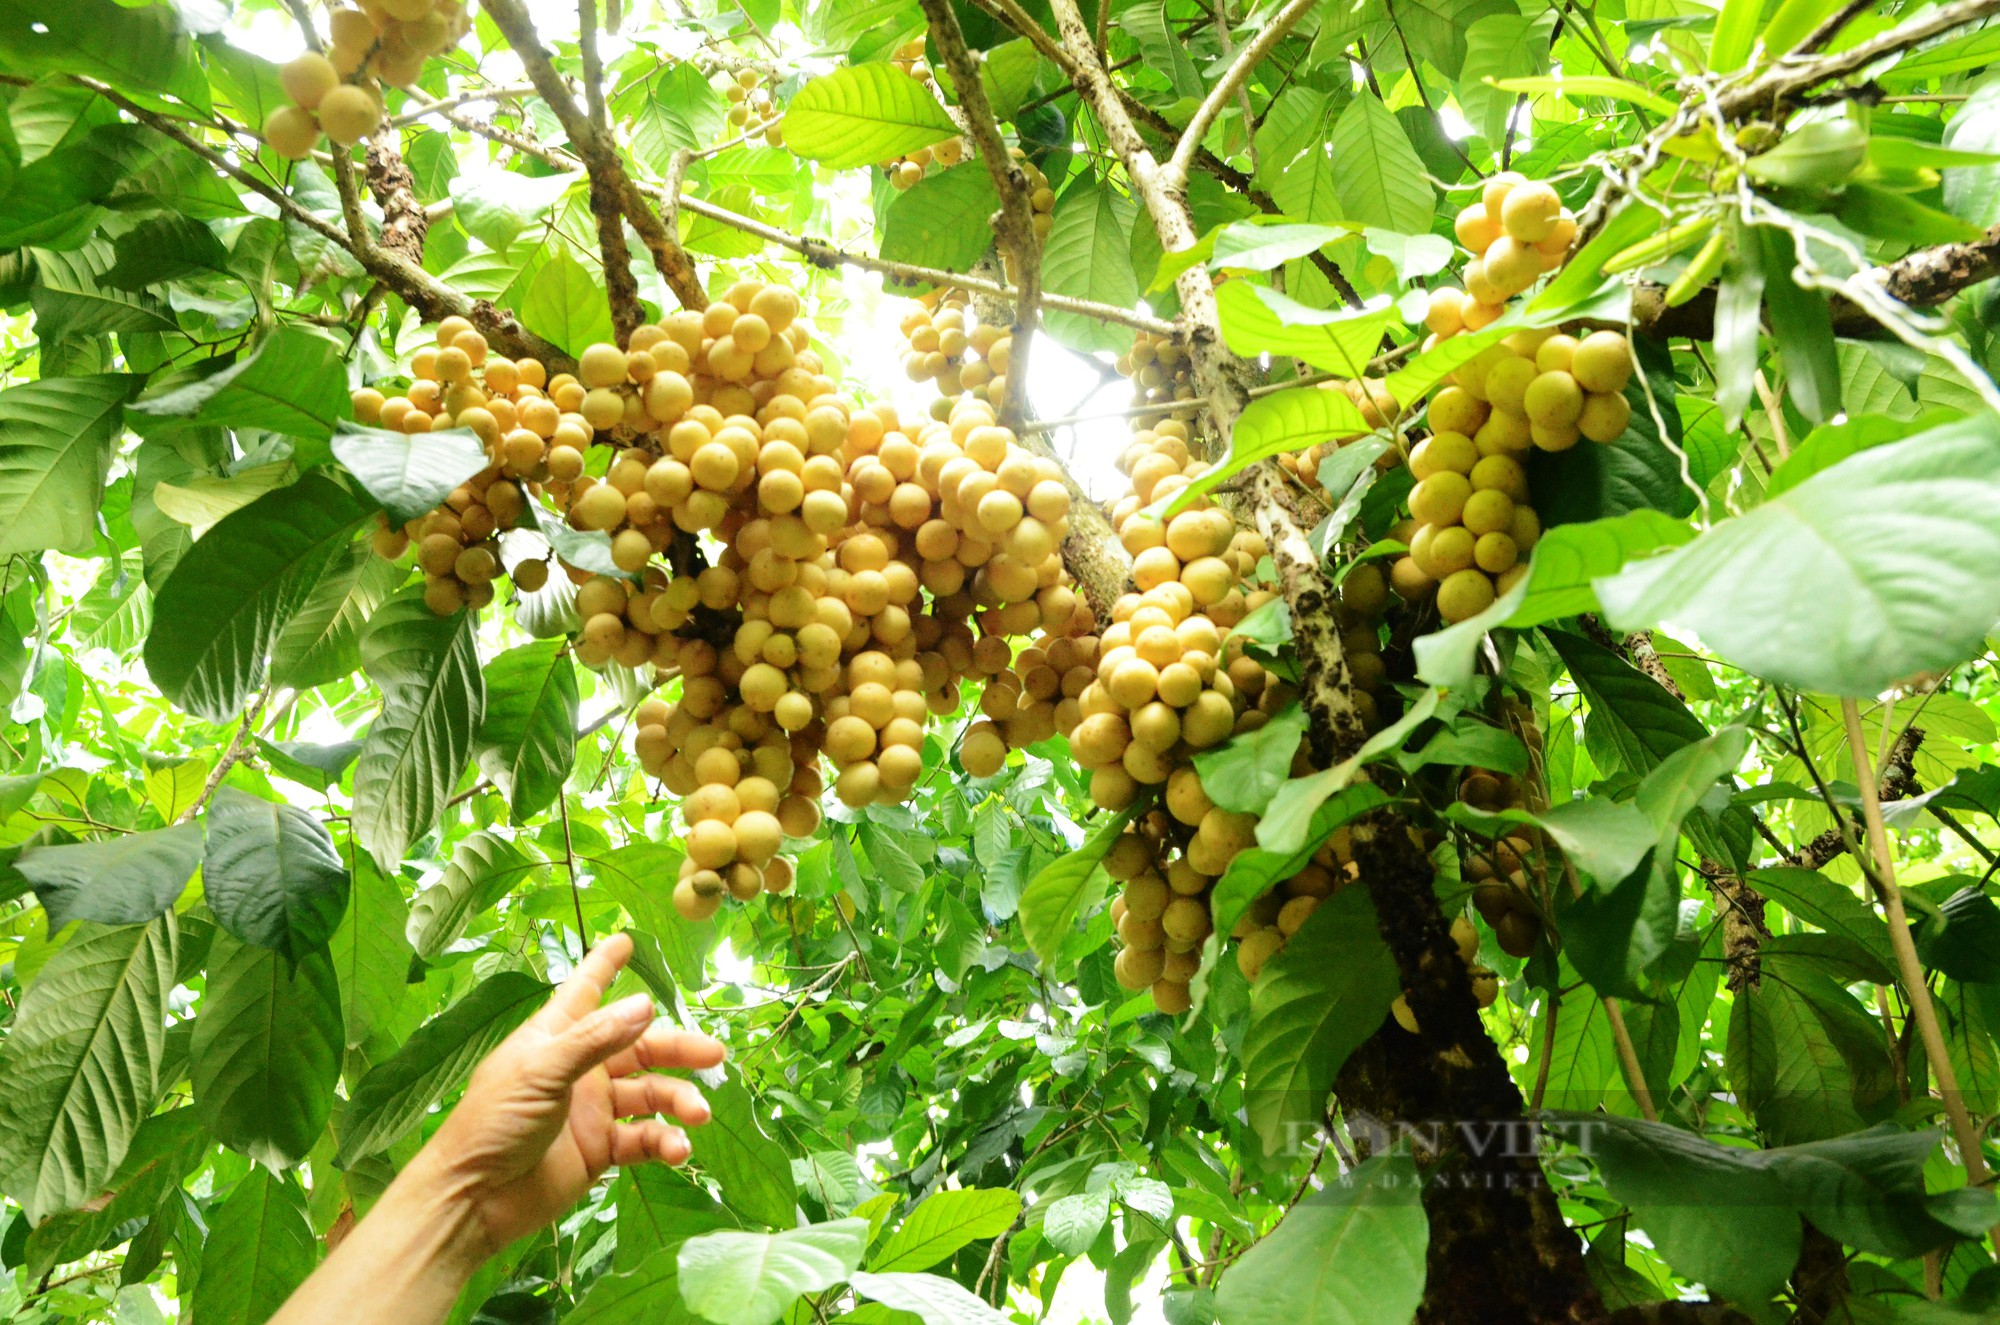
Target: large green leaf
x=1246, y=771
x=1351, y=1253
x=1499, y=47
x=1088, y=256
x=292, y=383
x=1812, y=897
x=143, y=52
x=496, y=207
x=397, y=1092
x=649, y=1291
x=673, y=111
x=750, y=1278
x=1054, y=899
x=1272, y=425
x=1259, y=320
x=1804, y=1057
x=566, y=304
x=863, y=114
x=751, y=1169
x=322, y=641
x=165, y=1148
x=659, y=1208
x=1568, y=559
x=1867, y=572
x=527, y=739
x=82, y=1062
x=944, y=221
x=260, y=1248
x=267, y=1047
x=945, y=1222
x=124, y=880
x=1379, y=176
x=232, y=594
x=1313, y=1004
x=165, y=248
x=931, y=1298
x=370, y=954
x=71, y=299
x=1256, y=870
x=484, y=868
x=57, y=436
x=409, y=473
x=432, y=696
x=271, y=875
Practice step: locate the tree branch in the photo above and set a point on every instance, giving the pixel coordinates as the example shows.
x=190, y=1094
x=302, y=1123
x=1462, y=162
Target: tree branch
x=1234, y=78
x=1767, y=93
x=1015, y=225
x=611, y=184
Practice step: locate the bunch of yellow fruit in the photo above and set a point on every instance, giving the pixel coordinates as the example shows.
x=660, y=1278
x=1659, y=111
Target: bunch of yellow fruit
x=385, y=40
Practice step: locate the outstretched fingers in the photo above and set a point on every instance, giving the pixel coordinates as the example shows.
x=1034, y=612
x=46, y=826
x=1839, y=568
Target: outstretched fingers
x=584, y=990
x=663, y=1046
x=599, y=1036
x=637, y=1143
x=633, y=1096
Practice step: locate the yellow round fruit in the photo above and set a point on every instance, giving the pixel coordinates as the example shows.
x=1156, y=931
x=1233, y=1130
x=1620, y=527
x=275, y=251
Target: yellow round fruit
x=1605, y=417
x=308, y=79
x=1463, y=594
x=1602, y=362
x=348, y=114
x=291, y=132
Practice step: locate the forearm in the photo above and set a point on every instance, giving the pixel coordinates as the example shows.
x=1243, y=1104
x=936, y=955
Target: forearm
x=404, y=1264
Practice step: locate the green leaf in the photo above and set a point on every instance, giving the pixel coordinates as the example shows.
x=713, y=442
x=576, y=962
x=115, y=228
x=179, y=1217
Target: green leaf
x=1804, y=1057
x=1591, y=85
x=495, y=208
x=1313, y=1005
x=1735, y=35
x=409, y=473
x=266, y=1051
x=57, y=436
x=1011, y=75
x=315, y=766
x=1882, y=214
x=932, y=1298
x=262, y=1233
x=124, y=880
x=1073, y=1223
x=292, y=383
x=1639, y=722
x=944, y=221
x=944, y=1223
x=1865, y=573
x=648, y=1291
x=484, y=868
x=1054, y=899
x=322, y=641
x=1413, y=256
x=82, y=1062
x=658, y=1209
x=1568, y=559
x=271, y=875
x=370, y=955
x=863, y=114
x=752, y=1170
x=1812, y=897
x=142, y=52
x=1830, y=443
x=1351, y=1253
x=673, y=111
x=1296, y=805
x=432, y=696
x=750, y=1278
x=1272, y=425
x=528, y=737
x=396, y=1093
x=71, y=299
x=1258, y=320
x=230, y=597
x=1088, y=256
x=1499, y=46
x=1812, y=369
x=1245, y=772
x=565, y=303
x=1381, y=180
x=1254, y=245
x=165, y=248
x=204, y=500
x=1165, y=50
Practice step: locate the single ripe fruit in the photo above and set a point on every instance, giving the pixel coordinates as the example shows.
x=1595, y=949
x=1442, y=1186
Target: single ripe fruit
x=291, y=132
x=348, y=114
x=1463, y=594
x=1530, y=211
x=308, y=79
x=1602, y=362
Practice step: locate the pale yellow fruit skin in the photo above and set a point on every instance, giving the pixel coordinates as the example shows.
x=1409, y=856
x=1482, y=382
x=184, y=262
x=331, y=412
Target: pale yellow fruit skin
x=348, y=114
x=308, y=79
x=291, y=132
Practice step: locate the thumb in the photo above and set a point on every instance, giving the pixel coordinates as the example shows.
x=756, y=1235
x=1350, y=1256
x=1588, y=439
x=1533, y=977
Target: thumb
x=596, y=1037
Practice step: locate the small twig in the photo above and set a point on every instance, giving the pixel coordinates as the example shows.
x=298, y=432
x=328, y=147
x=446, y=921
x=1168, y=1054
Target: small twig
x=569, y=864
x=464, y=97
x=244, y=730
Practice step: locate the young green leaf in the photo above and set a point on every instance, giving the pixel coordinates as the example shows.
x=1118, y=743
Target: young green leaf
x=864, y=113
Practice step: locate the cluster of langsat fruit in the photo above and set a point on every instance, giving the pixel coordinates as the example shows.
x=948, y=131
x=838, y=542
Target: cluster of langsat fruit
x=750, y=104
x=457, y=383
x=1517, y=230
x=387, y=40
x=1160, y=373
x=948, y=346
x=807, y=632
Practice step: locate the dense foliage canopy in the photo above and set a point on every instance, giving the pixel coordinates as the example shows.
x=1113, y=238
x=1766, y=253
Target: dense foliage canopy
x=1471, y=799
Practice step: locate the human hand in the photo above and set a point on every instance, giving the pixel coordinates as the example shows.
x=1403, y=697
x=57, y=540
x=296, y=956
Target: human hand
x=540, y=1118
